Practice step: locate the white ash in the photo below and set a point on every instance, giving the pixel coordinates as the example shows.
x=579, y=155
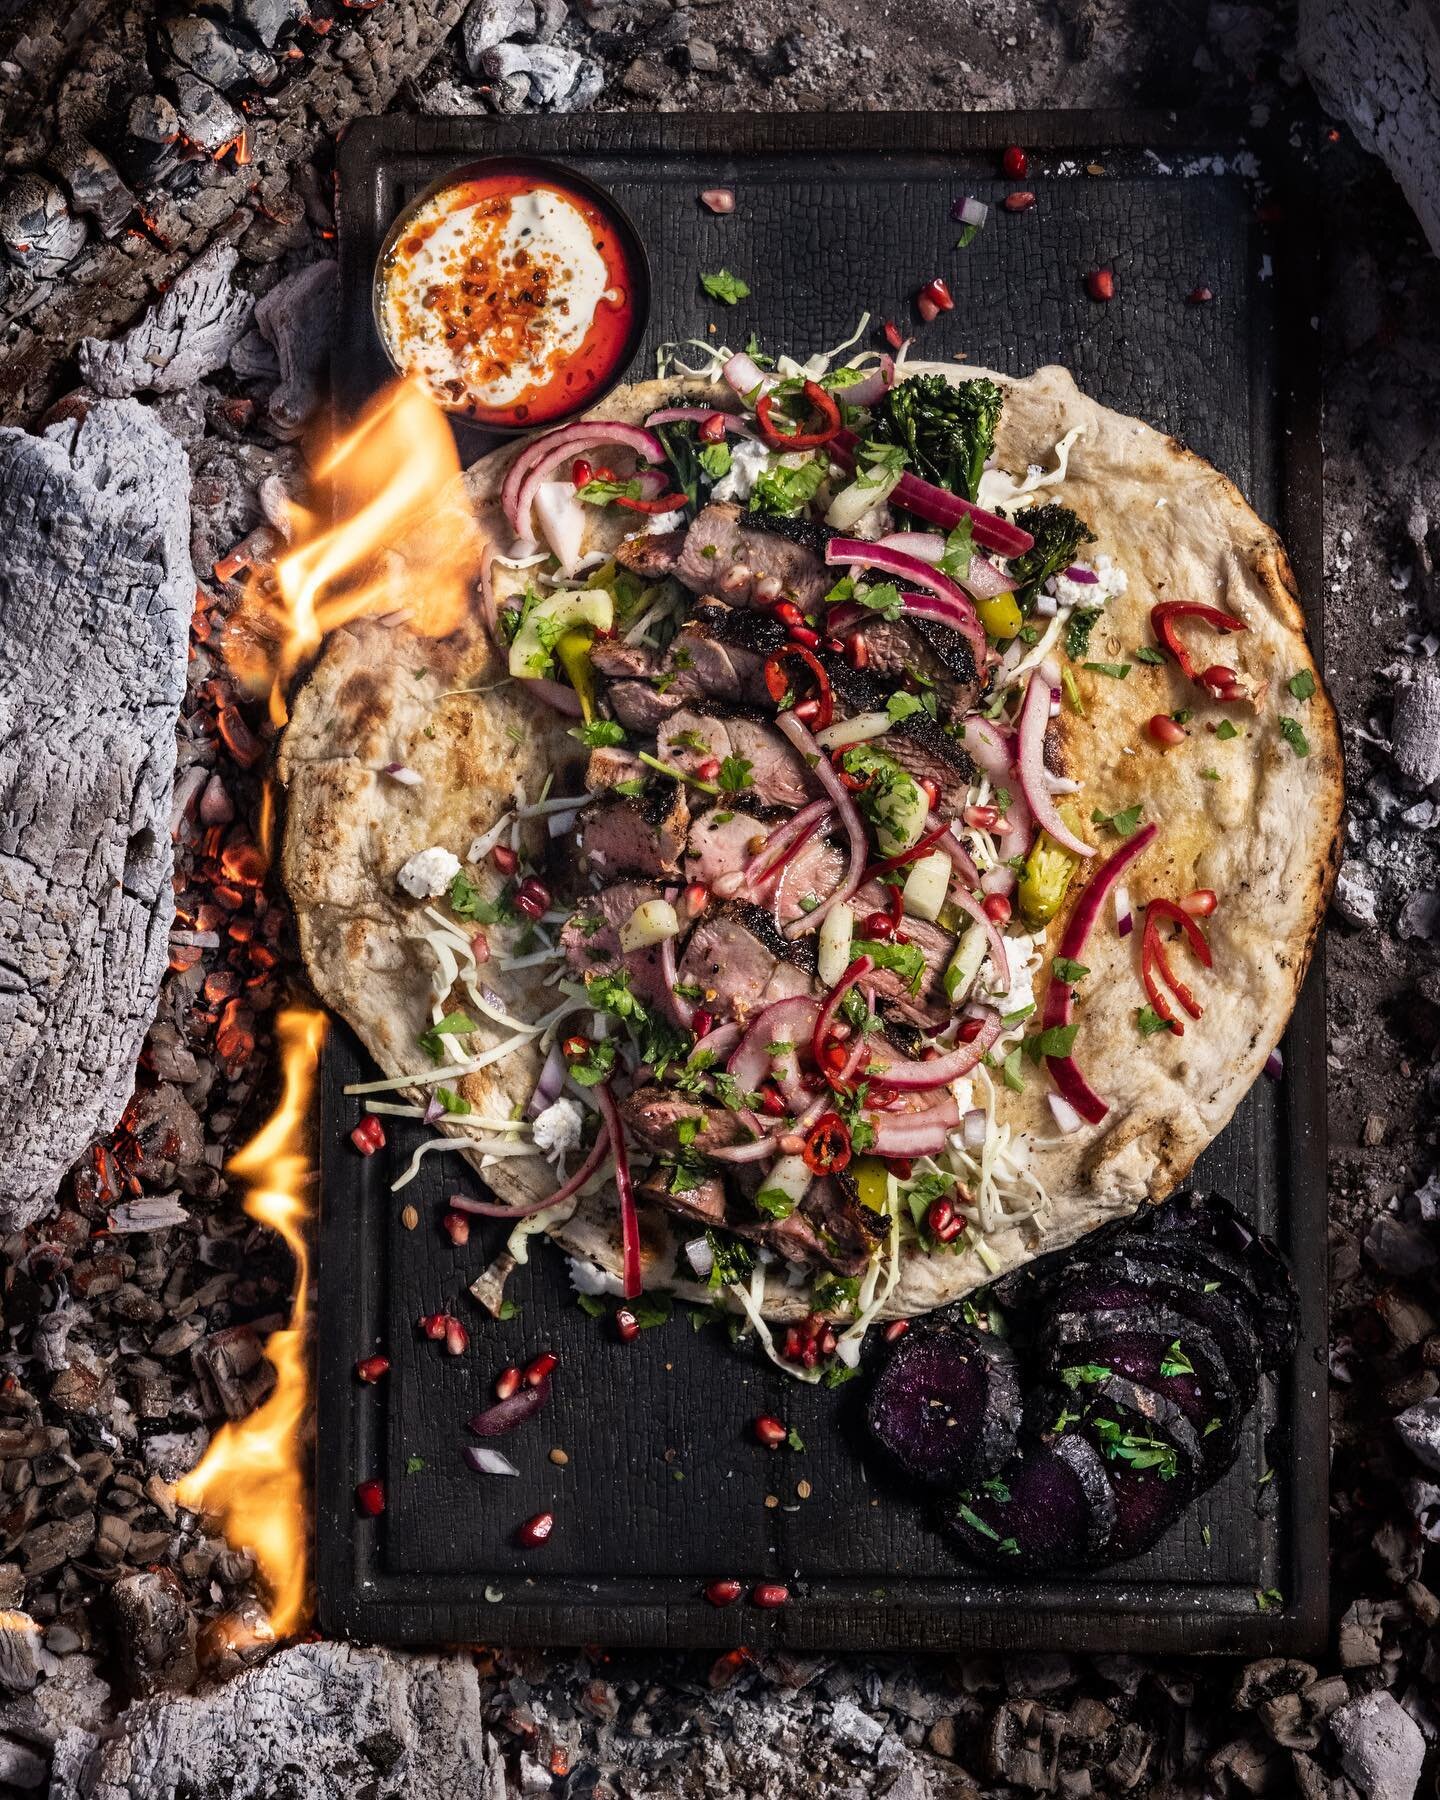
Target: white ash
x=1382, y=1748
x=1419, y=1430
x=190, y=333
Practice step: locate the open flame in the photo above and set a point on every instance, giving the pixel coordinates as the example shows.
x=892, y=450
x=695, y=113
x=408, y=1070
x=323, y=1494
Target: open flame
x=252, y=1476
x=387, y=531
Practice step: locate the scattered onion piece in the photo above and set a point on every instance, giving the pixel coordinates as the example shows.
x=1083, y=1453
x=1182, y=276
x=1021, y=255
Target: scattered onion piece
x=1275, y=1066
x=485, y=1461
x=816, y=759
x=1124, y=917
x=1066, y=1117
x=406, y=777
x=719, y=200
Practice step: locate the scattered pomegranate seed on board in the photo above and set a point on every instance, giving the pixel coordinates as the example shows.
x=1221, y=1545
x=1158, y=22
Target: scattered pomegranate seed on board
x=1100, y=284
x=1015, y=163
x=457, y=1338
x=507, y=1382
x=457, y=1228
x=370, y=1498
x=896, y=1329
x=769, y=1431
x=1022, y=201
x=627, y=1326
x=537, y=1371
x=535, y=1531
x=719, y=200
x=368, y=1136
x=770, y=1594
x=370, y=1369
x=1198, y=296
x=723, y=1593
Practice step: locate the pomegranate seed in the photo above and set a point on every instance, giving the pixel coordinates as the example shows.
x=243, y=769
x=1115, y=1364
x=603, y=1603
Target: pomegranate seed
x=1165, y=731
x=810, y=1355
x=1019, y=202
x=457, y=1228
x=1201, y=903
x=543, y=1365
x=702, y=1023
x=532, y=898
x=433, y=1326
x=807, y=710
x=480, y=947
x=770, y=1594
x=581, y=472
x=969, y=1030
x=1015, y=163
x=368, y=1136
x=504, y=859
x=892, y=335
x=1219, y=676
x=926, y=308
x=943, y=1222
x=694, y=900
x=627, y=1326
x=802, y=634
x=723, y=1593
x=457, y=1338
x=507, y=1382
x=790, y=1349
x=857, y=651
x=788, y=613
x=769, y=1431
x=370, y=1498
x=575, y=1047
x=879, y=925
x=1198, y=296
x=896, y=1329
x=930, y=788
x=535, y=1531
x=903, y=1167
x=772, y=1101
x=370, y=1369
x=981, y=818
x=835, y=645
x=938, y=294
x=708, y=769
x=997, y=907
x=603, y=472
x=1100, y=284
x=1234, y=692
x=712, y=430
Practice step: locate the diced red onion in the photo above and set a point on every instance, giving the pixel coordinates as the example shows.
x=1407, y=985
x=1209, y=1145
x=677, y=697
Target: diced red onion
x=719, y=200
x=676, y=415
x=719, y=1042
x=1030, y=764
x=1046, y=606
x=938, y=506
x=1066, y=1117
x=405, y=777
x=1060, y=995
x=969, y=212
x=535, y=462
x=816, y=759
x=940, y=1071
x=871, y=387
x=547, y=1088
x=701, y=1257
x=434, y=1110
x=485, y=1461
x=745, y=375
x=999, y=960
x=492, y=1209
x=1275, y=1066
x=633, y=1282
x=1124, y=918
x=505, y=1415
x=973, y=1128
x=1078, y=572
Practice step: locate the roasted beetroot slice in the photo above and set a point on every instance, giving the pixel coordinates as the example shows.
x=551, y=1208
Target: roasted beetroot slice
x=1049, y=1508
x=945, y=1406
x=1211, y=1227
x=1125, y=1283
x=1138, y=1345
x=1153, y=1461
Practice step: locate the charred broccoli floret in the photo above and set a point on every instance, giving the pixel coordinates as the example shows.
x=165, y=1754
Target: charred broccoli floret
x=1058, y=535
x=947, y=431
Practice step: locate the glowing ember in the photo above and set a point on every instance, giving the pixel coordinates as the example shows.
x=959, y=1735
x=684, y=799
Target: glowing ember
x=375, y=489
x=253, y=1475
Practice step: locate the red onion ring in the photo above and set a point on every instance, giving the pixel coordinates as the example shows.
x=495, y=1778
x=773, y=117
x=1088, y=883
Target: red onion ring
x=779, y=846
x=914, y=1134
x=993, y=752
x=681, y=1009
x=675, y=415
x=1060, y=995
x=790, y=1021
x=634, y=1281
x=858, y=970
x=982, y=581
x=555, y=693
x=960, y=857
x=915, y=1077
x=552, y=1079
x=718, y=1042
x=517, y=491
x=998, y=955
x=955, y=608
x=1030, y=764
x=493, y=1209
x=745, y=375
x=816, y=759
x=871, y=387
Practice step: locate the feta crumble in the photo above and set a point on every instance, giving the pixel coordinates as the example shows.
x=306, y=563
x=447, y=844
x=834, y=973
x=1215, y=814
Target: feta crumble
x=428, y=873
x=557, y=1128
x=748, y=461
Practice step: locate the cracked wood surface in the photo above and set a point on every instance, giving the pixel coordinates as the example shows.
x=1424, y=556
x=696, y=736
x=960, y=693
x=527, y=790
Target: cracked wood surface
x=96, y=592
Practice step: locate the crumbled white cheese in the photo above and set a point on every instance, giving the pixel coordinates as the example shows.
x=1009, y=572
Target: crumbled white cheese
x=588, y=1278
x=429, y=873
x=1024, y=954
x=1113, y=578
x=671, y=521
x=557, y=1127
x=1110, y=580
x=748, y=461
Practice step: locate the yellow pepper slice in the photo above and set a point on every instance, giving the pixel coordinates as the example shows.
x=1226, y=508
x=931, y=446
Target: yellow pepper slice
x=573, y=651
x=1000, y=615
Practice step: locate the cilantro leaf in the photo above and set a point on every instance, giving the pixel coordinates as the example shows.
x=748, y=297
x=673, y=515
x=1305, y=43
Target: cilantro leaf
x=1149, y=1021
x=901, y=705
x=1301, y=686
x=598, y=734
x=1124, y=823
x=1116, y=671
x=1148, y=654
x=1224, y=731
x=725, y=287
x=1294, y=736
x=1077, y=631
x=735, y=774
x=907, y=960
x=1069, y=971
x=454, y=1024
x=783, y=490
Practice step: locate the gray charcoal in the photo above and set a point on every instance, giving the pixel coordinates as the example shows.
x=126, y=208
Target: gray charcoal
x=702, y=57
x=207, y=119
x=266, y=20
x=492, y=22
x=1355, y=899
x=1420, y=915
x=21, y=1766
x=189, y=333
x=1419, y=1429
x=222, y=58
x=23, y=1658
x=297, y=318
x=1381, y=1747
x=96, y=188
x=1400, y=1248
x=155, y=1632
x=853, y=1727
x=38, y=232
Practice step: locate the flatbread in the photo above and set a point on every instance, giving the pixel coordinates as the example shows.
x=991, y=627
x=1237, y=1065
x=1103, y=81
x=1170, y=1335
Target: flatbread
x=1264, y=835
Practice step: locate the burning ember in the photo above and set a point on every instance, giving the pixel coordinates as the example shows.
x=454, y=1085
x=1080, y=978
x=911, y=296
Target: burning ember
x=252, y=1475
x=374, y=489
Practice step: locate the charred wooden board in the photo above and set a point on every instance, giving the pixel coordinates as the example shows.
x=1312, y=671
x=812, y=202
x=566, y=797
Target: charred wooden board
x=664, y=1486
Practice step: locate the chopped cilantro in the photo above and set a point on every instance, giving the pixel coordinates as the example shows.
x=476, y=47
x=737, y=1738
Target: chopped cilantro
x=454, y=1024
x=907, y=960
x=452, y=1102
x=467, y=902
x=735, y=774
x=959, y=549
x=1209, y=774
x=1139, y=1451
x=1125, y=823
x=715, y=460
x=785, y=490
x=1301, y=686
x=1147, y=654
x=836, y=1375
x=591, y=1305
x=836, y=1293
x=1116, y=671
x=1294, y=736
x=775, y=1203
x=883, y=598
x=1149, y=1021
x=596, y=1064
x=1267, y=1599
x=725, y=287
x=1176, y=1362
x=414, y=1464
x=794, y=1439
x=602, y=493
x=1059, y=1040
x=1077, y=631
x=599, y=733
x=1224, y=731
x=1069, y=971
x=1014, y=1078
x=731, y=1261
x=901, y=705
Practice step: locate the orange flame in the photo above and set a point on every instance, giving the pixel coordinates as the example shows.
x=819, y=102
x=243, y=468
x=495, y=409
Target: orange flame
x=389, y=532
x=253, y=1474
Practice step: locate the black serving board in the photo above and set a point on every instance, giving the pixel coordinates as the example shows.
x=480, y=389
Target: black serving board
x=664, y=1487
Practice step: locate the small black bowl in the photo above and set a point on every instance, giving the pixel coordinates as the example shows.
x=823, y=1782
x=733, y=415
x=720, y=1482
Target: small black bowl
x=564, y=178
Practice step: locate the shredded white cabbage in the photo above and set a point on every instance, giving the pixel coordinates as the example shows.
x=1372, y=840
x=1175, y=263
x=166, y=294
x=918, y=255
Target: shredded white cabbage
x=997, y=488
x=752, y=1299
x=497, y=1148
x=873, y=1296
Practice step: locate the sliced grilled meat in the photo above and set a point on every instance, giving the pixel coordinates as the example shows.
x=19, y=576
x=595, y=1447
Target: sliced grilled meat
x=704, y=1203
x=751, y=628
x=723, y=843
x=591, y=939
x=652, y=555
x=737, y=970
x=777, y=776
x=653, y=1116
x=836, y=1211
x=619, y=661
x=727, y=552
x=917, y=743
x=938, y=657
x=641, y=707
x=644, y=836
x=609, y=765
x=926, y=1005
